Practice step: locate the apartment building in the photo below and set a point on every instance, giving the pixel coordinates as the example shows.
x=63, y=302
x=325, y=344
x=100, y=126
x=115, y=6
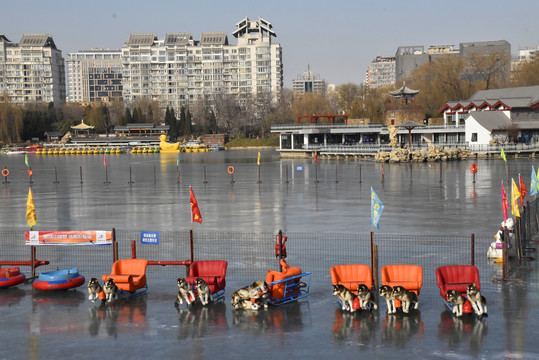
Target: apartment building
x=94, y=75
x=308, y=82
x=178, y=69
x=32, y=70
x=381, y=72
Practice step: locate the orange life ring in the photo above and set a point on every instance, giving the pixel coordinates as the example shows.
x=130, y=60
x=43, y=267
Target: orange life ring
x=231, y=169
x=473, y=168
x=5, y=172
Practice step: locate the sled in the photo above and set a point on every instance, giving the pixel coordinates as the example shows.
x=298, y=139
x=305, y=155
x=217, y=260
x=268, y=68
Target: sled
x=457, y=277
x=287, y=286
x=130, y=277
x=409, y=277
x=350, y=276
x=213, y=272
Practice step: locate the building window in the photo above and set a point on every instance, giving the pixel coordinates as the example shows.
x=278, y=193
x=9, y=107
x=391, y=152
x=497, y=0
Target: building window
x=474, y=137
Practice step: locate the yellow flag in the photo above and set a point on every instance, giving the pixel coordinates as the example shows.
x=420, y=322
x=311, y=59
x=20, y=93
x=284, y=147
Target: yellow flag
x=30, y=210
x=258, y=159
x=515, y=194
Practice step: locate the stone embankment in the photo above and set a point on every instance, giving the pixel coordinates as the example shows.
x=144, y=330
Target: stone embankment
x=433, y=153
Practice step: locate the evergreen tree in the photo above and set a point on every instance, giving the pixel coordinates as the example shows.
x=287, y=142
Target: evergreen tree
x=187, y=125
x=127, y=118
x=170, y=120
x=137, y=115
x=181, y=123
x=150, y=113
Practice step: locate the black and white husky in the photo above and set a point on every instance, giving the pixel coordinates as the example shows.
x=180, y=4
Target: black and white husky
x=111, y=290
x=203, y=291
x=184, y=292
x=387, y=293
x=365, y=297
x=94, y=288
x=407, y=298
x=478, y=301
x=345, y=296
x=457, y=300
x=257, y=290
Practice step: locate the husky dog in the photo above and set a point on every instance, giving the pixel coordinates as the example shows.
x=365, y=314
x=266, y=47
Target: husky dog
x=94, y=288
x=184, y=292
x=455, y=298
x=478, y=301
x=203, y=291
x=246, y=304
x=386, y=292
x=365, y=297
x=111, y=290
x=408, y=298
x=345, y=296
x=258, y=289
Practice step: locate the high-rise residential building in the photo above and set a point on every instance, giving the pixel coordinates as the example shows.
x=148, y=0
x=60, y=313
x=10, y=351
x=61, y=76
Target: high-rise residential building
x=177, y=70
x=307, y=83
x=381, y=72
x=528, y=53
x=32, y=70
x=94, y=75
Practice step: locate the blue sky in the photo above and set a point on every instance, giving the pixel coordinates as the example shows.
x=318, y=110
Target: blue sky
x=337, y=39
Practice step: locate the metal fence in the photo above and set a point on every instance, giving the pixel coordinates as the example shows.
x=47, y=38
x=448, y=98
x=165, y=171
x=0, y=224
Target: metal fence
x=251, y=255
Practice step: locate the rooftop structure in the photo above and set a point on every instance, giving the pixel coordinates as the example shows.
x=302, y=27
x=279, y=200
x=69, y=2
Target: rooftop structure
x=381, y=72
x=307, y=83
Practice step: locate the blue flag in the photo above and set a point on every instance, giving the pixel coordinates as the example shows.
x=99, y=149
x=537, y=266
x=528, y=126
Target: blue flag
x=534, y=184
x=376, y=209
x=178, y=160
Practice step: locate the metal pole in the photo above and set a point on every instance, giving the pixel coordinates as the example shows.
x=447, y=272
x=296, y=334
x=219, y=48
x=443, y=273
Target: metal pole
x=154, y=175
x=316, y=173
x=411, y=175
x=259, y=175
x=360, y=174
x=133, y=250
x=55, y=175
x=286, y=167
x=205, y=182
x=33, y=256
x=191, y=243
x=30, y=173
x=383, y=174
x=336, y=174
x=472, y=250
x=114, y=246
x=130, y=181
x=440, y=172
x=81, y=174
x=280, y=249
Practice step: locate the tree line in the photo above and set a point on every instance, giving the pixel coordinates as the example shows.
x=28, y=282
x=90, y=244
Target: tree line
x=445, y=79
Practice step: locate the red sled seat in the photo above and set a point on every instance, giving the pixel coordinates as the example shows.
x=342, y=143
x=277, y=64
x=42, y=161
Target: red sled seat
x=456, y=277
x=409, y=277
x=213, y=272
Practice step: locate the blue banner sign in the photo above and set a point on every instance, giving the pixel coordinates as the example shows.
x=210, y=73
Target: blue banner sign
x=299, y=168
x=149, y=237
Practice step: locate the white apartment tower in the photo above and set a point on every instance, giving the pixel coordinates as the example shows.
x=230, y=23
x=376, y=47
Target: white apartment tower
x=381, y=72
x=94, y=75
x=177, y=70
x=32, y=70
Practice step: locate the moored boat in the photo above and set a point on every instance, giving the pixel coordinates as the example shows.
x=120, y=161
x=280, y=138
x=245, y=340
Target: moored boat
x=11, y=277
x=59, y=280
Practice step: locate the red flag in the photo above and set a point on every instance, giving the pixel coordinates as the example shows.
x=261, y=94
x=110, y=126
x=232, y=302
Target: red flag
x=105, y=160
x=316, y=157
x=505, y=204
x=195, y=211
x=522, y=189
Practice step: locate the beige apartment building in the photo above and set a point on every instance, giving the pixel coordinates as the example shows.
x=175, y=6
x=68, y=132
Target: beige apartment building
x=32, y=70
x=179, y=69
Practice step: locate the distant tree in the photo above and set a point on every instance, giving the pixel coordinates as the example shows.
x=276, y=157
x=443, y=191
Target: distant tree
x=116, y=110
x=526, y=74
x=312, y=104
x=149, y=113
x=347, y=99
x=490, y=70
x=11, y=120
x=170, y=120
x=181, y=122
x=99, y=117
x=127, y=118
x=137, y=115
x=187, y=130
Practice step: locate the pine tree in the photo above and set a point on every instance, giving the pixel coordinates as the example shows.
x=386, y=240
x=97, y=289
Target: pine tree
x=181, y=123
x=187, y=125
